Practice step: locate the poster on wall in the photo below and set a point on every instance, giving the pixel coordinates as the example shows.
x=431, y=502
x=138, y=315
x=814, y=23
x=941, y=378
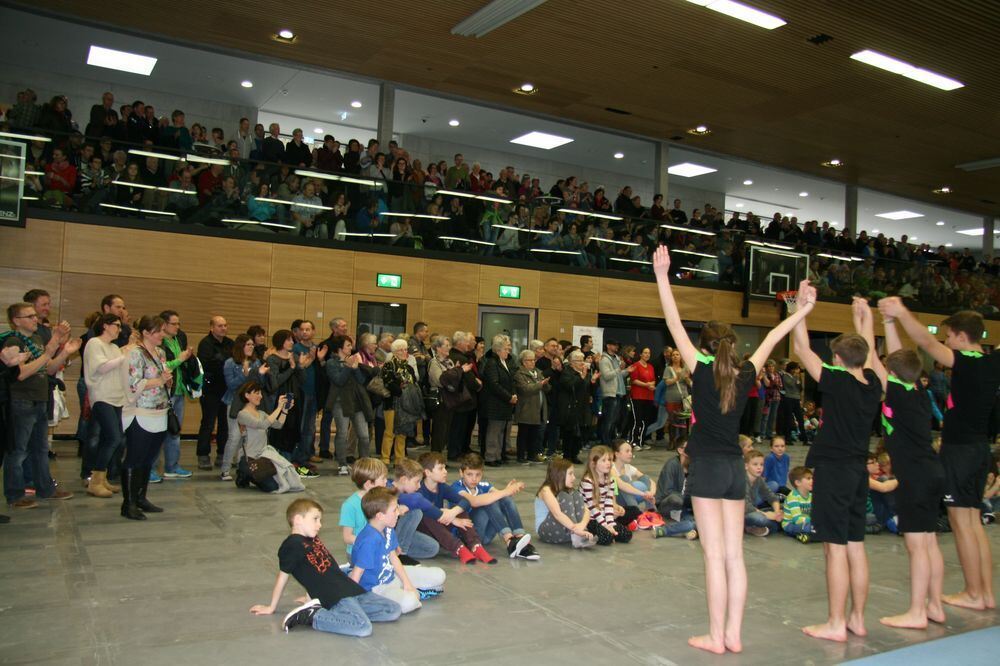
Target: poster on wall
x=11, y=183
x=595, y=332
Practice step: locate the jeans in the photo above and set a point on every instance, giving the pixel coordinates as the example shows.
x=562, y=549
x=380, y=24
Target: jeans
x=768, y=420
x=416, y=544
x=801, y=527
x=213, y=411
x=307, y=428
x=628, y=499
x=232, y=451
x=758, y=519
x=662, y=419
x=682, y=526
x=353, y=616
x=500, y=517
x=172, y=443
x=30, y=423
x=609, y=419
x=357, y=419
x=111, y=436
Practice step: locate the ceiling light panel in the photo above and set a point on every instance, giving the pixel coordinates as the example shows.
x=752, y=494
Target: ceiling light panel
x=492, y=16
x=890, y=64
x=542, y=140
x=899, y=215
x=123, y=61
x=742, y=12
x=689, y=170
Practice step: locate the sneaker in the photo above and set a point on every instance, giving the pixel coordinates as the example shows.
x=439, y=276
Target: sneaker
x=344, y=471
x=643, y=522
x=315, y=459
x=326, y=455
x=873, y=529
x=655, y=519
x=637, y=447
x=523, y=462
x=154, y=477
x=29, y=492
x=24, y=503
x=634, y=525
x=804, y=538
x=406, y=560
x=758, y=531
x=529, y=553
x=226, y=476
x=429, y=593
x=218, y=462
x=989, y=518
x=302, y=615
x=582, y=542
x=204, y=462
x=306, y=473
x=177, y=473
x=517, y=544
x=539, y=459
x=480, y=554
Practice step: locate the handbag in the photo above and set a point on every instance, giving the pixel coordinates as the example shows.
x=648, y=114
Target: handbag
x=377, y=387
x=257, y=470
x=173, y=423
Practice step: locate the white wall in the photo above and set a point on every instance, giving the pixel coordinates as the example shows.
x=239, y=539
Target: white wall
x=84, y=93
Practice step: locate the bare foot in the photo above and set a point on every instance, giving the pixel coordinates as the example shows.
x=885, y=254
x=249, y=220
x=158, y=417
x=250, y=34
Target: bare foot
x=935, y=613
x=706, y=643
x=734, y=644
x=856, y=625
x=826, y=632
x=906, y=621
x=989, y=601
x=963, y=600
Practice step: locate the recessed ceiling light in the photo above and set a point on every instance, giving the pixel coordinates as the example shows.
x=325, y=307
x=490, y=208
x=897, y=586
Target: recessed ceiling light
x=948, y=244
x=526, y=89
x=875, y=231
x=914, y=238
x=700, y=130
x=748, y=182
x=834, y=163
x=939, y=223
x=285, y=33
x=970, y=232
x=895, y=66
x=742, y=12
x=247, y=84
x=803, y=194
x=689, y=170
x=318, y=130
x=899, y=215
x=454, y=123
x=343, y=115
x=943, y=190
x=541, y=140
x=619, y=156
x=356, y=104
x=739, y=205
x=123, y=61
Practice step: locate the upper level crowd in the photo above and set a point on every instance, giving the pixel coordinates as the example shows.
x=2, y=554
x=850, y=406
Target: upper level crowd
x=128, y=160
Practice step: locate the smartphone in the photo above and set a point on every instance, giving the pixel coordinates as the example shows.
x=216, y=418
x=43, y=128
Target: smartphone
x=289, y=397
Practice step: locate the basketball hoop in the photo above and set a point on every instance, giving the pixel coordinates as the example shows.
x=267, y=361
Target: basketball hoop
x=789, y=298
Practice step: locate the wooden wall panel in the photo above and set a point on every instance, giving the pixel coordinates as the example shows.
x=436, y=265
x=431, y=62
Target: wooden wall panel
x=369, y=265
x=15, y=281
x=446, y=317
x=315, y=310
x=126, y=252
x=559, y=323
x=626, y=298
x=559, y=291
x=452, y=280
x=39, y=245
x=284, y=307
x=295, y=267
x=491, y=277
x=338, y=304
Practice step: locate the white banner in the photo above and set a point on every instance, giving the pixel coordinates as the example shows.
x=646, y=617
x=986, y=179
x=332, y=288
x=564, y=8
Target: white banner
x=595, y=332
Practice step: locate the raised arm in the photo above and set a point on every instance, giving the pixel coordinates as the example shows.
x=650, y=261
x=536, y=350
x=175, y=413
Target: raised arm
x=865, y=327
x=661, y=267
x=800, y=347
x=892, y=341
x=892, y=308
x=806, y=303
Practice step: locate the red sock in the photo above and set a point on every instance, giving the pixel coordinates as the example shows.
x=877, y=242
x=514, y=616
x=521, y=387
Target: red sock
x=480, y=553
x=465, y=555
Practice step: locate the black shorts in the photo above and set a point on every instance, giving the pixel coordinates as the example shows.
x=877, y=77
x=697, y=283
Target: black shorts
x=965, y=470
x=840, y=494
x=718, y=477
x=918, y=498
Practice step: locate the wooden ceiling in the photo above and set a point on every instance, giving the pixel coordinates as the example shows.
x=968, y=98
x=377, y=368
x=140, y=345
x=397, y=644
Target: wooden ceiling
x=768, y=95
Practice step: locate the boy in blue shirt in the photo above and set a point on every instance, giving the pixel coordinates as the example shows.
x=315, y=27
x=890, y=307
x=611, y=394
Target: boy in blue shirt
x=493, y=511
x=436, y=490
x=776, y=465
x=376, y=567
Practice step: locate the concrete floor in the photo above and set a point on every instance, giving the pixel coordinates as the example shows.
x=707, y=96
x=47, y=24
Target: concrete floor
x=80, y=585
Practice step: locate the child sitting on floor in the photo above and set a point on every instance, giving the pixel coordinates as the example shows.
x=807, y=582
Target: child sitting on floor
x=634, y=488
x=337, y=604
x=812, y=417
x=493, y=511
x=607, y=518
x=760, y=522
x=560, y=513
x=376, y=567
x=673, y=499
x=795, y=518
x=881, y=508
x=436, y=490
x=776, y=465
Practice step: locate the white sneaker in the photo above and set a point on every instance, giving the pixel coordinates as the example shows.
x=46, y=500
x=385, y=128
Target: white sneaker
x=344, y=471
x=581, y=542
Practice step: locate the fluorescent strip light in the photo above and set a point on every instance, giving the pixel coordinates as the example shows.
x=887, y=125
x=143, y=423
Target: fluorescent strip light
x=697, y=254
x=117, y=207
x=484, y=197
x=465, y=240
x=974, y=232
x=34, y=173
x=609, y=240
x=123, y=61
x=156, y=212
x=278, y=224
x=16, y=180
x=688, y=230
x=206, y=160
x=742, y=12
x=631, y=261
x=456, y=193
x=832, y=256
x=422, y=216
x=176, y=190
x=357, y=233
x=541, y=140
x=27, y=137
x=697, y=270
x=689, y=170
x=232, y=221
x=357, y=181
x=316, y=174
x=141, y=186
x=292, y=203
x=147, y=153
x=544, y=251
x=573, y=211
x=899, y=215
x=492, y=16
x=509, y=226
x=979, y=165
x=889, y=64
x=29, y=198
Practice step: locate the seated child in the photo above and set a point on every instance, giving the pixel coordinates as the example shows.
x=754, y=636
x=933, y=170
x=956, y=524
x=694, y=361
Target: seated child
x=607, y=518
x=376, y=567
x=493, y=511
x=746, y=444
x=436, y=522
x=881, y=509
x=811, y=420
x=337, y=604
x=368, y=473
x=560, y=512
x=759, y=495
x=673, y=501
x=776, y=465
x=634, y=489
x=795, y=521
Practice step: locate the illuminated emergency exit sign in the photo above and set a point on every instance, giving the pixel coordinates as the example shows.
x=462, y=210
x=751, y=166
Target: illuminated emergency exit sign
x=510, y=291
x=389, y=281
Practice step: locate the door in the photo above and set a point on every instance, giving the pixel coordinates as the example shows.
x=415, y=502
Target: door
x=378, y=318
x=518, y=323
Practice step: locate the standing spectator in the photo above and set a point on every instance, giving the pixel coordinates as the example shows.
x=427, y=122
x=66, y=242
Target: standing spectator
x=297, y=153
x=107, y=398
x=305, y=347
x=284, y=377
x=499, y=399
x=613, y=372
x=328, y=157
x=772, y=398
x=348, y=400
x=550, y=363
x=403, y=407
x=24, y=114
x=177, y=134
x=574, y=404
x=791, y=402
x=213, y=350
x=530, y=411
x=99, y=114
x=338, y=327
x=457, y=176
x=243, y=367
x=677, y=379
x=245, y=139
x=442, y=418
x=60, y=180
x=641, y=387
x=272, y=149
x=187, y=378
x=462, y=422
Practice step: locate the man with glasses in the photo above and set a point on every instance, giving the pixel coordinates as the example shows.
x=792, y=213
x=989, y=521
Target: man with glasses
x=187, y=376
x=29, y=399
x=213, y=350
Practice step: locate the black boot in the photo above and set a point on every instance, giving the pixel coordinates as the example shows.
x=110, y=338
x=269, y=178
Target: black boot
x=130, y=494
x=141, y=500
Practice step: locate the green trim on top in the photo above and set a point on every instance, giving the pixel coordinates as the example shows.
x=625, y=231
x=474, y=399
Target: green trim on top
x=704, y=358
x=839, y=368
x=971, y=353
x=897, y=380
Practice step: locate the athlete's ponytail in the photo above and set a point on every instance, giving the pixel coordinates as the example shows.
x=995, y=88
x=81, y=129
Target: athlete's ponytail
x=719, y=339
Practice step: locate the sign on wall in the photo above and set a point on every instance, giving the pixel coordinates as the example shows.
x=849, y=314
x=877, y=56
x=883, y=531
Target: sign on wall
x=12, y=156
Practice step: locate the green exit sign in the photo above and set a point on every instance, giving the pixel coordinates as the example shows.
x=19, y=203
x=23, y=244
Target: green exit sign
x=932, y=329
x=389, y=281
x=510, y=291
